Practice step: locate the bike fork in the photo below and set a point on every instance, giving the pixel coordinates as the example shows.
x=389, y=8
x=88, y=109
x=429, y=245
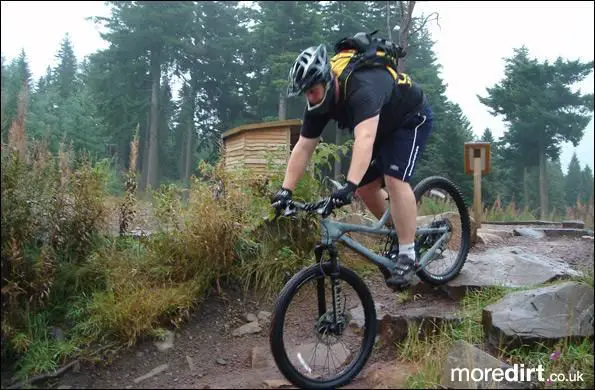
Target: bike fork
x=336, y=283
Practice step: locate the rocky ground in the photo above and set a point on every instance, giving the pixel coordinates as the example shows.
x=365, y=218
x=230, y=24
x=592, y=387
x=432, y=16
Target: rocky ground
x=208, y=352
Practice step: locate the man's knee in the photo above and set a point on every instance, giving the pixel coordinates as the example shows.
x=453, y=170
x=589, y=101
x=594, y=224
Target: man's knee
x=368, y=189
x=397, y=184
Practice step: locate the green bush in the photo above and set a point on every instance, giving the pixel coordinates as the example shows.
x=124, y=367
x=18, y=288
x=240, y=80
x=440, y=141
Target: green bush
x=53, y=211
x=63, y=269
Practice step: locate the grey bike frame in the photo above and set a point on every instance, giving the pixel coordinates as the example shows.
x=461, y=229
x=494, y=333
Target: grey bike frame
x=334, y=231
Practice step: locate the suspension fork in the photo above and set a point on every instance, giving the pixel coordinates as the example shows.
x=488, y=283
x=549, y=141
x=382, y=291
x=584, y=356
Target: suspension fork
x=320, y=282
x=336, y=284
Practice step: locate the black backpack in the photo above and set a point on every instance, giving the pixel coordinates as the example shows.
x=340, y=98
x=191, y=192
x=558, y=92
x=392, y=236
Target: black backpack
x=365, y=50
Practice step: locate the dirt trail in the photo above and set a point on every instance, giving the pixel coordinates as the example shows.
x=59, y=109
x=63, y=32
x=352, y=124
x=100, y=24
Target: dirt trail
x=219, y=359
x=206, y=355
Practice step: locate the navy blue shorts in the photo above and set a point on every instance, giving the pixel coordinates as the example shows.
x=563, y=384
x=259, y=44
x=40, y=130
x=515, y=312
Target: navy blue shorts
x=396, y=154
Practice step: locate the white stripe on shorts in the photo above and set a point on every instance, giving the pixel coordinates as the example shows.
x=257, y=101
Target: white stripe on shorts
x=414, y=149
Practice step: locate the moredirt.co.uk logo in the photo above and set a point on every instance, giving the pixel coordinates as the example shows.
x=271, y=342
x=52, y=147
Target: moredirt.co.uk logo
x=516, y=373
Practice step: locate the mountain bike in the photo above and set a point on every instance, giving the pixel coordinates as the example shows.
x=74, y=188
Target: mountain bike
x=333, y=319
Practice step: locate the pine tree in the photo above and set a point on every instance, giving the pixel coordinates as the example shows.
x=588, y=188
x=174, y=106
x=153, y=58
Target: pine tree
x=574, y=181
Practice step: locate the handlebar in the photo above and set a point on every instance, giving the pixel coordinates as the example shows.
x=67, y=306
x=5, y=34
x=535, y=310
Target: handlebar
x=322, y=207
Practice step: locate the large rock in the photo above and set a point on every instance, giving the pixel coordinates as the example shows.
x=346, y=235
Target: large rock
x=526, y=223
x=426, y=321
x=565, y=232
x=489, y=238
x=545, y=315
x=394, y=327
x=357, y=319
x=576, y=224
x=502, y=233
x=249, y=328
x=490, y=235
x=468, y=367
x=530, y=233
x=506, y=267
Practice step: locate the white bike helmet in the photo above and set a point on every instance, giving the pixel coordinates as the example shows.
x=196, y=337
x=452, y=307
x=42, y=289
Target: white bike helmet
x=310, y=67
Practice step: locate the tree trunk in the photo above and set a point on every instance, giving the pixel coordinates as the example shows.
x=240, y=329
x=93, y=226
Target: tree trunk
x=145, y=154
x=188, y=152
x=122, y=151
x=542, y=184
x=190, y=131
x=282, y=106
x=388, y=29
x=526, y=189
x=406, y=8
x=182, y=156
x=153, y=163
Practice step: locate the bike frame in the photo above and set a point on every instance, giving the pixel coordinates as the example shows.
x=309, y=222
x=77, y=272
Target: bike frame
x=334, y=231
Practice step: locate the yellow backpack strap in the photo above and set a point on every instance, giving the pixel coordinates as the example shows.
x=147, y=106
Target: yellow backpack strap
x=346, y=61
x=404, y=79
x=342, y=64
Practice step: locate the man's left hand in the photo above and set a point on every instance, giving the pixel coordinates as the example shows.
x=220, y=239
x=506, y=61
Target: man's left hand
x=343, y=196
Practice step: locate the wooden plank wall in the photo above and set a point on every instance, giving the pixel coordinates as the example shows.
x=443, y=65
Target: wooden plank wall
x=234, y=151
x=249, y=148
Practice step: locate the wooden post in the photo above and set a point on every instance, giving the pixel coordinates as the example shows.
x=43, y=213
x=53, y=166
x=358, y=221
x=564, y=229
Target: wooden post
x=477, y=186
x=477, y=163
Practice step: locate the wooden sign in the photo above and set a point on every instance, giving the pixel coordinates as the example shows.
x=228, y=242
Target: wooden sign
x=477, y=149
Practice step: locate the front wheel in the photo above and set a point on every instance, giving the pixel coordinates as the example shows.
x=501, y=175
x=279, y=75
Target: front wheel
x=444, y=199
x=322, y=299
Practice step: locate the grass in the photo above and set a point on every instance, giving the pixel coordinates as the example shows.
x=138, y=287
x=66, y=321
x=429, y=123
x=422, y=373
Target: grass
x=63, y=268
x=579, y=211
x=39, y=347
x=430, y=353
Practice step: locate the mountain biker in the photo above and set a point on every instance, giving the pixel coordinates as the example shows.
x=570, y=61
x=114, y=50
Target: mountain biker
x=391, y=122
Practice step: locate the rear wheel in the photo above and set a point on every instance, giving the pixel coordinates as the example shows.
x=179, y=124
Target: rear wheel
x=321, y=301
x=446, y=200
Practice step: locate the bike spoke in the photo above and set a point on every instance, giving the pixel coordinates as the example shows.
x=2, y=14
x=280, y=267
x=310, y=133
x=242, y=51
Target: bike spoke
x=325, y=352
x=440, y=205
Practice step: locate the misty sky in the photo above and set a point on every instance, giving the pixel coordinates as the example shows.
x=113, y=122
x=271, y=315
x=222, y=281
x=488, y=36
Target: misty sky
x=471, y=42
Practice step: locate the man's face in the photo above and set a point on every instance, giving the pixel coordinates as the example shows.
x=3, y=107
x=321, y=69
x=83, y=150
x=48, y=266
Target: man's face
x=315, y=94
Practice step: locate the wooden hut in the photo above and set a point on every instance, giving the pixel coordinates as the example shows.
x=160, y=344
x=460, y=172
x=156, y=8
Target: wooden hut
x=247, y=146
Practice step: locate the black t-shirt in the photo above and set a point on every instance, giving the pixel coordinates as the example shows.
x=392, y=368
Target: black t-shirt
x=369, y=92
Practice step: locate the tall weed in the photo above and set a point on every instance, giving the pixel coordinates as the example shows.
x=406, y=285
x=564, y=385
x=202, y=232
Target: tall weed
x=62, y=269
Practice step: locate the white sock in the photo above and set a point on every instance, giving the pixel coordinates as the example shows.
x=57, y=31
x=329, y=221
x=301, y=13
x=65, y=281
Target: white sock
x=408, y=249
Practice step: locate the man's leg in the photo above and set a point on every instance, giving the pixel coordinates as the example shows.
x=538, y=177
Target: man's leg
x=370, y=189
x=373, y=197
x=400, y=160
x=403, y=208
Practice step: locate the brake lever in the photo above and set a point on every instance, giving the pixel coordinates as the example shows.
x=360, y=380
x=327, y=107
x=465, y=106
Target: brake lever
x=335, y=183
x=289, y=212
x=327, y=209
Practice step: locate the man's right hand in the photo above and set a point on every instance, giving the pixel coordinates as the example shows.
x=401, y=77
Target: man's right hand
x=280, y=199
